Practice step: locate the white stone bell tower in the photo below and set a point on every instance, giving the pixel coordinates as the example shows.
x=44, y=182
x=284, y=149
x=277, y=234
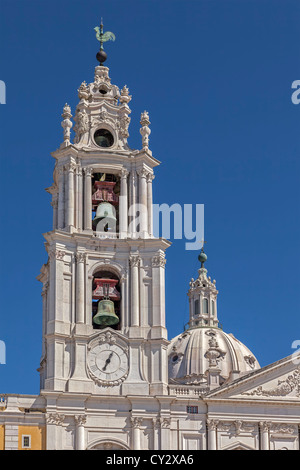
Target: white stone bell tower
x=102, y=249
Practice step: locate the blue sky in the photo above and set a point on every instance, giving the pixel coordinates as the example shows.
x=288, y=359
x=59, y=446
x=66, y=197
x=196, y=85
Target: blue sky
x=215, y=77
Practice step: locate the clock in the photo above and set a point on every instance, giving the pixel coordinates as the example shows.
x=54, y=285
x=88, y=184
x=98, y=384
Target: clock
x=108, y=364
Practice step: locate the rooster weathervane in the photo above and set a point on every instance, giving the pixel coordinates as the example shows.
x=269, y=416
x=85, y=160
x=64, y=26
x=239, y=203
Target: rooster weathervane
x=103, y=37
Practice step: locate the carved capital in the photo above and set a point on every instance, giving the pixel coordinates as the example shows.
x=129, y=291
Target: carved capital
x=150, y=177
x=264, y=426
x=55, y=418
x=212, y=424
x=124, y=173
x=159, y=261
x=156, y=422
x=88, y=171
x=134, y=261
x=57, y=254
x=80, y=420
x=136, y=422
x=143, y=173
x=165, y=422
x=71, y=167
x=80, y=257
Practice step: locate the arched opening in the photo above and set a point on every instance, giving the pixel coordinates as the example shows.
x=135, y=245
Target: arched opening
x=205, y=306
x=109, y=444
x=197, y=309
x=106, y=300
x=105, y=203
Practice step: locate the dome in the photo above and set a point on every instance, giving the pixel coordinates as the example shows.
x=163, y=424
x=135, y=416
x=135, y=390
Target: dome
x=197, y=354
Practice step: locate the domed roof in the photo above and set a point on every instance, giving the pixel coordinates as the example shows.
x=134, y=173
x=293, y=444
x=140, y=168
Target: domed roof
x=198, y=353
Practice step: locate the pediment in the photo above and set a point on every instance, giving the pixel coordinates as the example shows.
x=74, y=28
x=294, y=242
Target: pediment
x=277, y=381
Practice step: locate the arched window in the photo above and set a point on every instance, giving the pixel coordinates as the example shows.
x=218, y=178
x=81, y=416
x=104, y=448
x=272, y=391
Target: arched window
x=205, y=306
x=213, y=308
x=197, y=310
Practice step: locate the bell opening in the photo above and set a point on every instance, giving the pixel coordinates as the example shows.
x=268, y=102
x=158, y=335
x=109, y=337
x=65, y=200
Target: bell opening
x=105, y=203
x=106, y=301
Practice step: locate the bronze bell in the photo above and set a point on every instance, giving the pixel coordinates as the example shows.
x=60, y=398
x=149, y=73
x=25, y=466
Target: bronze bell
x=105, y=315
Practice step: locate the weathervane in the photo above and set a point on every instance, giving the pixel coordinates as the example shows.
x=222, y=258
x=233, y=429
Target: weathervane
x=103, y=37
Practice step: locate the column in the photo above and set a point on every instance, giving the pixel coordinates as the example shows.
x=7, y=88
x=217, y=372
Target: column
x=133, y=202
x=61, y=198
x=136, y=438
x=88, y=199
x=150, y=178
x=264, y=435
x=54, y=204
x=54, y=422
x=156, y=433
x=80, y=282
x=135, y=307
x=123, y=213
x=143, y=209
x=45, y=315
x=70, y=195
x=158, y=290
x=79, y=217
x=80, y=421
x=165, y=433
x=212, y=434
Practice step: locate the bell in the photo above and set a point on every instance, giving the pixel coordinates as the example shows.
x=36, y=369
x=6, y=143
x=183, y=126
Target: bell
x=106, y=214
x=105, y=315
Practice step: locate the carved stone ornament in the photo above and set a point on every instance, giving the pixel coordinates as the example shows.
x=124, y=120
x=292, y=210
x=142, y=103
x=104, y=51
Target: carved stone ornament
x=82, y=124
x=284, y=387
x=158, y=261
x=67, y=123
x=165, y=422
x=55, y=418
x=236, y=427
x=124, y=95
x=80, y=257
x=134, y=261
x=80, y=420
x=214, y=354
x=107, y=338
x=212, y=424
x=281, y=428
x=84, y=92
x=57, y=254
x=136, y=422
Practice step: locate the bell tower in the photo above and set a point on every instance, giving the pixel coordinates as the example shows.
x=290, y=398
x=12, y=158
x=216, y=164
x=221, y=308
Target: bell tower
x=104, y=282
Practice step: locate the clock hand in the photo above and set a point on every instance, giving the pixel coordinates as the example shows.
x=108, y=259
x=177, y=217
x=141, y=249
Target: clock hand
x=107, y=361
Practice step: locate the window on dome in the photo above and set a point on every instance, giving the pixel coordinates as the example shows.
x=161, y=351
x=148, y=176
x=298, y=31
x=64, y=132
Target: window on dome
x=213, y=309
x=197, y=310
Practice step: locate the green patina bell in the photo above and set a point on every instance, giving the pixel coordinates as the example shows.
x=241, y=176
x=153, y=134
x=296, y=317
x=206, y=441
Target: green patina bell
x=105, y=315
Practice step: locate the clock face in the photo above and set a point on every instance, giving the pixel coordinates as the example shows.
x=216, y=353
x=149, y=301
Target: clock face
x=108, y=363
